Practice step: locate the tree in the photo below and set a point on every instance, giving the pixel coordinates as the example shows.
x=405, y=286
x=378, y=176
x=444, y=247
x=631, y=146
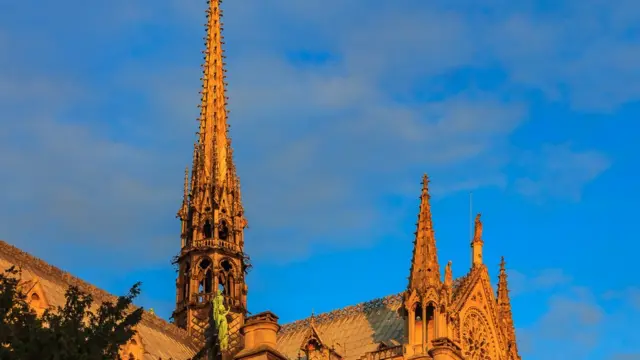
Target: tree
x=71, y=332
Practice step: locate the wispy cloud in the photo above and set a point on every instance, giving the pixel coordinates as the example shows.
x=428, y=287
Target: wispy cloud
x=101, y=128
x=560, y=171
x=578, y=322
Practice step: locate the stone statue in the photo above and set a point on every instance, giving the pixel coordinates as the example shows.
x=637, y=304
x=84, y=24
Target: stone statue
x=220, y=319
x=478, y=232
x=448, y=274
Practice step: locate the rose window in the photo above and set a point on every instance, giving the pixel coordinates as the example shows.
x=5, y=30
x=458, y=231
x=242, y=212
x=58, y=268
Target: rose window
x=476, y=338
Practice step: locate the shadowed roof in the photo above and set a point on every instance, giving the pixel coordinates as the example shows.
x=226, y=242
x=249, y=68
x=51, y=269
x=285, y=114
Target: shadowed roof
x=159, y=338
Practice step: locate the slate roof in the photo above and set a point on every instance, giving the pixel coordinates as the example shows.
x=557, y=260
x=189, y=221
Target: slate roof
x=159, y=338
x=355, y=330
x=352, y=331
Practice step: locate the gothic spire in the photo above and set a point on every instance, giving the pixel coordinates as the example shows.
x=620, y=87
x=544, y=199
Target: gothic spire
x=213, y=168
x=503, y=290
x=504, y=309
x=213, y=220
x=425, y=270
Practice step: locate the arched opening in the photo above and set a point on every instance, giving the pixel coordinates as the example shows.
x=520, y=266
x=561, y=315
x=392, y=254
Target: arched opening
x=226, y=278
x=186, y=276
x=131, y=357
x=208, y=281
x=205, y=285
x=226, y=265
x=223, y=230
x=223, y=284
x=431, y=323
x=417, y=325
x=206, y=230
x=313, y=345
x=35, y=297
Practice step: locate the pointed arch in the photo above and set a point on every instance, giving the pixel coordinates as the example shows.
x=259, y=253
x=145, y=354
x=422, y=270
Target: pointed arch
x=207, y=230
x=223, y=230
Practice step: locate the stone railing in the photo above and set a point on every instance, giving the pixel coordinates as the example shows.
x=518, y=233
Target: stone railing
x=203, y=298
x=213, y=243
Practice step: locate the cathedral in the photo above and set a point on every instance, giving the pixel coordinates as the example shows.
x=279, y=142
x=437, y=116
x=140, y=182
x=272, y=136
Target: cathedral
x=437, y=317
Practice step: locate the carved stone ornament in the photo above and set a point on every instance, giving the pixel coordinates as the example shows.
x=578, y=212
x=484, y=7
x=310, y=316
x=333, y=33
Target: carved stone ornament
x=476, y=338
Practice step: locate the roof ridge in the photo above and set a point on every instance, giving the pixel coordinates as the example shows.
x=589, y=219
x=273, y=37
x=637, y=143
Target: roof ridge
x=342, y=312
x=52, y=272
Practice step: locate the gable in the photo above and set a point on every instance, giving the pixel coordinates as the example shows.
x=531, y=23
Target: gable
x=36, y=297
x=478, y=316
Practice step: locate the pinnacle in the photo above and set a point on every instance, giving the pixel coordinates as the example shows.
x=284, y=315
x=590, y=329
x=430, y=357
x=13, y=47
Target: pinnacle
x=425, y=183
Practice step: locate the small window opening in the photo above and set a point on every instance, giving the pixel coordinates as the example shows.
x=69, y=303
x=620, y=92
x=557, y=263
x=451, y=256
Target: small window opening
x=185, y=281
x=206, y=230
x=223, y=230
x=208, y=281
x=418, y=311
x=226, y=265
x=35, y=297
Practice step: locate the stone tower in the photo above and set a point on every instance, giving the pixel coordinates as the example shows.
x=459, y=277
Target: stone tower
x=212, y=255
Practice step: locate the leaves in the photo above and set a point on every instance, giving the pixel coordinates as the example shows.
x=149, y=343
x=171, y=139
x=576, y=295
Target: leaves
x=69, y=332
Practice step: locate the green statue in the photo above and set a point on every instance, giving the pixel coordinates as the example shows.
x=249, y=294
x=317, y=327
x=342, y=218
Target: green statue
x=220, y=319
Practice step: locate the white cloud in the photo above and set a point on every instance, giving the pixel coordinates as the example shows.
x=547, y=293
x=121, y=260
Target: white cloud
x=315, y=144
x=560, y=171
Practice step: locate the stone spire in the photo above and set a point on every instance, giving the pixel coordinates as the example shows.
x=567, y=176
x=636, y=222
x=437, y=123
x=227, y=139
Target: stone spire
x=213, y=169
x=425, y=270
x=504, y=309
x=212, y=254
x=503, y=291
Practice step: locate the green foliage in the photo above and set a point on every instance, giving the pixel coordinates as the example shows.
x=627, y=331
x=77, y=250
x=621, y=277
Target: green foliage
x=71, y=332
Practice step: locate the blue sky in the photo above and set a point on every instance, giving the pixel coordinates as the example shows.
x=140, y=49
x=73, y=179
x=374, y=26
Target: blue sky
x=337, y=108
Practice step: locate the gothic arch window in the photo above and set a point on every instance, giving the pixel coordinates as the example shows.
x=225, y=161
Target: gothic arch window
x=226, y=278
x=417, y=310
x=205, y=284
x=223, y=230
x=417, y=323
x=430, y=319
x=186, y=280
x=35, y=297
x=206, y=230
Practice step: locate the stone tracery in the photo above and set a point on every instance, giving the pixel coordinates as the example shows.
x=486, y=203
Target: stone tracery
x=476, y=338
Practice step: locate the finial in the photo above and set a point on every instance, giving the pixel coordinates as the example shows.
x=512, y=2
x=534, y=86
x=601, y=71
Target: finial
x=478, y=228
x=425, y=183
x=151, y=311
x=502, y=264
